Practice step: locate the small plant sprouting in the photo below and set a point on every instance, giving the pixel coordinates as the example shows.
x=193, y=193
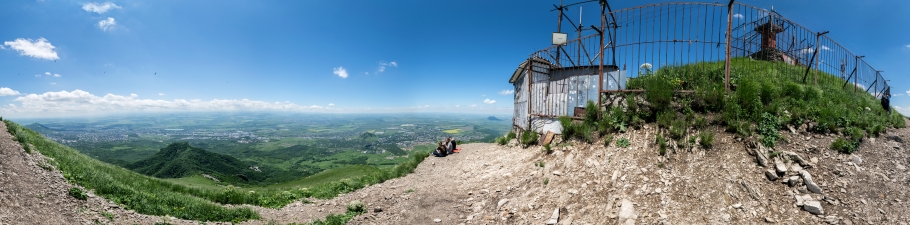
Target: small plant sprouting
x=539, y=164
x=108, y=215
x=546, y=181
x=660, y=165
x=547, y=149
x=607, y=140
x=409, y=191
x=623, y=143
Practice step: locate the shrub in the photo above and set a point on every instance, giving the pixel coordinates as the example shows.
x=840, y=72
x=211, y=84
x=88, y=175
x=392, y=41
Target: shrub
x=568, y=129
x=623, y=142
x=591, y=113
x=78, y=193
x=510, y=136
x=844, y=146
x=793, y=90
x=546, y=181
x=749, y=95
x=665, y=119
x=607, y=140
x=547, y=149
x=529, y=137
x=701, y=123
x=355, y=206
x=768, y=129
x=502, y=141
x=706, y=139
x=658, y=93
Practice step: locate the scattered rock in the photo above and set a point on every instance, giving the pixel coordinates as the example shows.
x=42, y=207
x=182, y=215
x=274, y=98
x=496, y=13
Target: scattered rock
x=573, y=191
x=793, y=181
x=801, y=199
x=770, y=220
x=437, y=220
x=501, y=203
x=780, y=167
x=771, y=175
x=761, y=158
x=557, y=173
x=796, y=168
x=737, y=206
x=900, y=167
x=857, y=160
x=813, y=160
x=807, y=179
x=377, y=209
x=555, y=218
x=814, y=207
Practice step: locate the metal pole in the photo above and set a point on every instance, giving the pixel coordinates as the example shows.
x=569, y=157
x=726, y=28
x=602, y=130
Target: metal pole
x=528, y=70
x=600, y=80
x=817, y=39
x=729, y=39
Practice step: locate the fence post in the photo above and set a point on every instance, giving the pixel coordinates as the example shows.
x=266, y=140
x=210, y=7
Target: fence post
x=729, y=40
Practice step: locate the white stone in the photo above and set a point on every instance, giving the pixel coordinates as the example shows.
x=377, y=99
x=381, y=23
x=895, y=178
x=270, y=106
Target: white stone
x=557, y=173
x=780, y=167
x=501, y=203
x=814, y=207
x=555, y=218
x=810, y=185
x=771, y=175
x=627, y=213
x=437, y=220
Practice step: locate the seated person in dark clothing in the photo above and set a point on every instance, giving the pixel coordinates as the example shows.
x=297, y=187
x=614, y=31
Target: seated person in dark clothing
x=440, y=151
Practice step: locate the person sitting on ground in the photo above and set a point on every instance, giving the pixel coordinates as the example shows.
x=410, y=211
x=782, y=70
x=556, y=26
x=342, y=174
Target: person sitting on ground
x=450, y=145
x=440, y=150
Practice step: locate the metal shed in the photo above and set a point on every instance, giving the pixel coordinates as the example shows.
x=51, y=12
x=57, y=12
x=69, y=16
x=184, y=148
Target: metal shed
x=544, y=92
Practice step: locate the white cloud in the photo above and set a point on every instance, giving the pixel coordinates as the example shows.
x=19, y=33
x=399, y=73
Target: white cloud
x=383, y=65
x=507, y=92
x=107, y=24
x=2, y=47
x=908, y=92
x=53, y=83
x=341, y=72
x=331, y=104
x=488, y=101
x=83, y=102
x=5, y=91
x=40, y=48
x=903, y=110
x=473, y=105
x=908, y=46
x=99, y=8
x=738, y=16
x=56, y=75
x=160, y=94
x=47, y=73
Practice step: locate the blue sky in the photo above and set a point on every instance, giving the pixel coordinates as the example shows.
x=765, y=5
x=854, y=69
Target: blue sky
x=327, y=56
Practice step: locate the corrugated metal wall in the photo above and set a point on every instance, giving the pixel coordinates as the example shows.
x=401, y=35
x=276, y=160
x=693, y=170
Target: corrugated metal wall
x=520, y=116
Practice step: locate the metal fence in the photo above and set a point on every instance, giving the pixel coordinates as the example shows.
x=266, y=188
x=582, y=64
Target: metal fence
x=689, y=41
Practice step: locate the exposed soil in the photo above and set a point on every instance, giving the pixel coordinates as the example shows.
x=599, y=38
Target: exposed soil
x=587, y=184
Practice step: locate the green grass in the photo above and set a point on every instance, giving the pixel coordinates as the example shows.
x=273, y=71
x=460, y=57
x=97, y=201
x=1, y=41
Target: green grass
x=768, y=95
x=154, y=196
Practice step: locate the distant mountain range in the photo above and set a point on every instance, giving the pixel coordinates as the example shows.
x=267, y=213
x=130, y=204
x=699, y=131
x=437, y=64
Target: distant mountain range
x=493, y=118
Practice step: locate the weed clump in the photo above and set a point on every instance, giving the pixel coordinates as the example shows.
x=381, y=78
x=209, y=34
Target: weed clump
x=768, y=129
x=78, y=193
x=623, y=143
x=706, y=139
x=529, y=137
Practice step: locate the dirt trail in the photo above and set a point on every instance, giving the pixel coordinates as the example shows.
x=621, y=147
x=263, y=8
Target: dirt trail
x=585, y=184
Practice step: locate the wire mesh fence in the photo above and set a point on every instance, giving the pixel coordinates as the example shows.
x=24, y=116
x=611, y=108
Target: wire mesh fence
x=689, y=47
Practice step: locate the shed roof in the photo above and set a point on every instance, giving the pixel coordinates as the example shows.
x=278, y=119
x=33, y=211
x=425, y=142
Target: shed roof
x=523, y=66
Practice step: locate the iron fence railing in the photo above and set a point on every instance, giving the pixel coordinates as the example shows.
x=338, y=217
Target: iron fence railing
x=698, y=44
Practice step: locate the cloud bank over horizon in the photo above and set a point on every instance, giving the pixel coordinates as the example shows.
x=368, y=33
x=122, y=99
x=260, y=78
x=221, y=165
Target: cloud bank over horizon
x=79, y=102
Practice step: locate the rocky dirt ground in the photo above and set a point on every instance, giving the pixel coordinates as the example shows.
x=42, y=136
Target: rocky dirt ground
x=577, y=183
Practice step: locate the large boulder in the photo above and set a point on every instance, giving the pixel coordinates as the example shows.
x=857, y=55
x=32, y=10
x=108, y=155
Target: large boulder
x=780, y=167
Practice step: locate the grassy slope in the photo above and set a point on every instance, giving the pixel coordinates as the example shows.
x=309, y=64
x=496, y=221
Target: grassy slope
x=154, y=196
x=769, y=96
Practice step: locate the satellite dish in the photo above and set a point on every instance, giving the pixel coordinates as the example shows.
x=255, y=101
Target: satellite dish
x=559, y=38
